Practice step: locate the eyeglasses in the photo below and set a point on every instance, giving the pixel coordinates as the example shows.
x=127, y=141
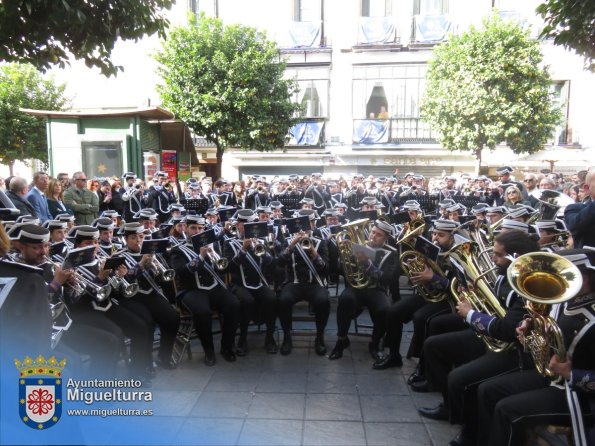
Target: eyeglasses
x=511, y=193
x=528, y=181
x=81, y=179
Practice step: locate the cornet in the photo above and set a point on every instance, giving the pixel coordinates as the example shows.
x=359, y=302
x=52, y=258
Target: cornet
x=258, y=248
x=126, y=288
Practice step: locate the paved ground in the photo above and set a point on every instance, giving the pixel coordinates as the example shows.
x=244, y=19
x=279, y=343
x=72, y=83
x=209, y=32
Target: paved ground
x=301, y=399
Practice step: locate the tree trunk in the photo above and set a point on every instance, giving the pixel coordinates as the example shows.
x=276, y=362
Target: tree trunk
x=11, y=168
x=220, y=151
x=478, y=163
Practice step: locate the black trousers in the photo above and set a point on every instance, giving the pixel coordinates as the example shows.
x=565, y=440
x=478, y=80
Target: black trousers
x=102, y=346
x=120, y=319
x=253, y=302
x=314, y=294
x=201, y=303
x=492, y=391
x=465, y=379
x=446, y=351
x=351, y=301
x=159, y=312
x=412, y=308
x=547, y=405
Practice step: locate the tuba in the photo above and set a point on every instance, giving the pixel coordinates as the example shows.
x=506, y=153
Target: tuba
x=479, y=294
x=355, y=272
x=544, y=279
x=551, y=203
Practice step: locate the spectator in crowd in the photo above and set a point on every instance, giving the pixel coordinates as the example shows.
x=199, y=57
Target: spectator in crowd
x=37, y=198
x=17, y=193
x=2, y=185
x=513, y=197
x=55, y=200
x=547, y=183
x=580, y=217
x=105, y=197
x=81, y=200
x=64, y=180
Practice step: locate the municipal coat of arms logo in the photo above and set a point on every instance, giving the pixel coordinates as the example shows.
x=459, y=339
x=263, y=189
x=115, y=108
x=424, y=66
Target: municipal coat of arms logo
x=40, y=391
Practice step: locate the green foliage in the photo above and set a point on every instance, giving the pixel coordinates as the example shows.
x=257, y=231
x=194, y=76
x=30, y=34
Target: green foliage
x=571, y=23
x=43, y=32
x=486, y=87
x=226, y=83
x=23, y=136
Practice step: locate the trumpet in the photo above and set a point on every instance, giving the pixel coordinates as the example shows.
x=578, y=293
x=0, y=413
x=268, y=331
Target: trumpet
x=158, y=265
x=258, y=248
x=126, y=288
x=221, y=263
x=306, y=243
x=83, y=282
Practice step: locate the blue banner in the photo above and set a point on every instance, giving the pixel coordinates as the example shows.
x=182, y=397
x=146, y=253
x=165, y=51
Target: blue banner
x=370, y=131
x=375, y=30
x=431, y=28
x=306, y=134
x=304, y=34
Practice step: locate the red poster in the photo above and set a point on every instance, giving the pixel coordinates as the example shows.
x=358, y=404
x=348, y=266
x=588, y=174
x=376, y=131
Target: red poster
x=168, y=163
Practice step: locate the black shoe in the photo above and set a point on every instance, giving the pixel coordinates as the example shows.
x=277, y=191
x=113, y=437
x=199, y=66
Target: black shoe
x=210, y=358
x=270, y=345
x=388, y=362
x=242, y=346
x=337, y=351
x=287, y=345
x=416, y=376
x=464, y=438
x=228, y=354
x=434, y=413
x=167, y=365
x=374, y=351
x=421, y=386
x=319, y=346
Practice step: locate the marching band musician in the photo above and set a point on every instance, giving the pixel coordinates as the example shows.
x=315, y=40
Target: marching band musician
x=57, y=230
x=381, y=269
x=474, y=364
x=202, y=290
x=549, y=235
x=107, y=315
x=325, y=233
x=415, y=307
x=161, y=195
x=249, y=283
x=101, y=344
x=177, y=234
x=148, y=218
x=517, y=400
x=306, y=267
x=149, y=302
x=132, y=195
x=107, y=242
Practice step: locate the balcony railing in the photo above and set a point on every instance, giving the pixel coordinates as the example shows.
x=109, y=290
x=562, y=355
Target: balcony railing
x=393, y=130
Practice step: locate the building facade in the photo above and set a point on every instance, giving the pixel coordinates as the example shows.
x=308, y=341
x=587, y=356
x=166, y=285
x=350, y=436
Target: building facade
x=361, y=67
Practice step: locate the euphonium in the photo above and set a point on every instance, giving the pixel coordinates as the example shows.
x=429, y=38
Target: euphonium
x=415, y=261
x=355, y=272
x=544, y=279
x=479, y=294
x=411, y=230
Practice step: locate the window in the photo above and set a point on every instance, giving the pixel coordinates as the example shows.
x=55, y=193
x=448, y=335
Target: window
x=560, y=91
x=313, y=98
x=209, y=7
x=399, y=88
x=430, y=7
x=307, y=10
x=375, y=8
x=102, y=158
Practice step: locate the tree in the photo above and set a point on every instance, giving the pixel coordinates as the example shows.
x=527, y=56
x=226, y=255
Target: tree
x=486, y=87
x=22, y=136
x=571, y=24
x=43, y=33
x=226, y=83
